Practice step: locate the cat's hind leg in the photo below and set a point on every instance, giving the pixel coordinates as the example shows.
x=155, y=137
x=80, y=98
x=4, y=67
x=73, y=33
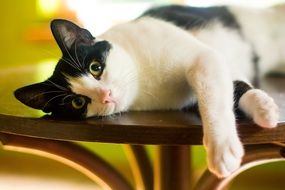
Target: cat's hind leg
x=256, y=104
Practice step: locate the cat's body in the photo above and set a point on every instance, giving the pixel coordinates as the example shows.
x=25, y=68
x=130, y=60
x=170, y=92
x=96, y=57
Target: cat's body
x=169, y=58
x=240, y=34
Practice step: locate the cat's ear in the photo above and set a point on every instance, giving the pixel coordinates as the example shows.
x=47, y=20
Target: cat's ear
x=66, y=32
x=36, y=96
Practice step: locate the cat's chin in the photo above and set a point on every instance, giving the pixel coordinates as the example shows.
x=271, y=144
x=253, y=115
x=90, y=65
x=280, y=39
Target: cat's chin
x=108, y=109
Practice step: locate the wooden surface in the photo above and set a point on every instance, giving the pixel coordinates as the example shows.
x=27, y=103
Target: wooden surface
x=164, y=127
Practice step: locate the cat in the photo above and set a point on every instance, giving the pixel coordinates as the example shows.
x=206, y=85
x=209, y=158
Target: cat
x=169, y=58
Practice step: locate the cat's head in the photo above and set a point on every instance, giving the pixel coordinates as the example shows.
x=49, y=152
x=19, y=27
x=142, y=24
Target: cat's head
x=93, y=77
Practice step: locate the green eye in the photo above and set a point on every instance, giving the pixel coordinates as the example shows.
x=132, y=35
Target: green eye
x=78, y=102
x=95, y=68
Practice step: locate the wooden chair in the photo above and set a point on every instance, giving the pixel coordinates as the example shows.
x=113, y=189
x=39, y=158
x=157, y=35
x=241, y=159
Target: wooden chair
x=172, y=133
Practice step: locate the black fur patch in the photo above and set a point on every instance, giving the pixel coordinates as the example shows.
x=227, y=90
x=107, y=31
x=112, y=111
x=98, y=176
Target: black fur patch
x=79, y=58
x=240, y=88
x=255, y=62
x=78, y=51
x=193, y=17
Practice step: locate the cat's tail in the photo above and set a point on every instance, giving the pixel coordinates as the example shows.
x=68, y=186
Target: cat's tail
x=256, y=104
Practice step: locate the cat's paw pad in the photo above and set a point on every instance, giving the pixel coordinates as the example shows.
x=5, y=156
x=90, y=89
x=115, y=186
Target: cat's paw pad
x=224, y=157
x=265, y=111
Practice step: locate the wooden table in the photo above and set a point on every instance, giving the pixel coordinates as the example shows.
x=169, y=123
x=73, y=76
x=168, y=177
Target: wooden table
x=172, y=132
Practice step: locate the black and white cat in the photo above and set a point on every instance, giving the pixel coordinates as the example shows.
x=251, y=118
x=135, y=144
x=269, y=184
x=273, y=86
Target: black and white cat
x=169, y=58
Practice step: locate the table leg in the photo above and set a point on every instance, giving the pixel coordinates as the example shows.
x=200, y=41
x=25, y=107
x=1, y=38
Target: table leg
x=141, y=166
x=172, y=168
x=72, y=155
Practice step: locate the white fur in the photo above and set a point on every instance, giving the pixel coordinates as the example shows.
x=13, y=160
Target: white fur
x=261, y=107
x=265, y=29
x=119, y=76
x=156, y=65
x=232, y=46
x=223, y=147
x=159, y=64
x=167, y=77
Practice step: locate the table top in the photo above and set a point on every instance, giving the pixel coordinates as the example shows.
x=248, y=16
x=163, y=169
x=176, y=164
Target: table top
x=154, y=127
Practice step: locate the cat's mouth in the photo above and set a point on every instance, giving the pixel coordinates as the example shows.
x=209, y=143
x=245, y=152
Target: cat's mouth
x=107, y=109
x=112, y=106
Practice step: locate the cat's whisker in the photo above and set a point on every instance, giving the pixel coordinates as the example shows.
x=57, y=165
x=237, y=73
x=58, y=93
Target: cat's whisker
x=100, y=112
x=51, y=100
x=76, y=56
x=75, y=67
x=116, y=115
x=48, y=92
x=130, y=77
x=65, y=60
x=112, y=116
x=68, y=52
x=49, y=52
x=64, y=98
x=57, y=85
x=84, y=59
x=150, y=94
x=72, y=63
x=77, y=62
x=129, y=74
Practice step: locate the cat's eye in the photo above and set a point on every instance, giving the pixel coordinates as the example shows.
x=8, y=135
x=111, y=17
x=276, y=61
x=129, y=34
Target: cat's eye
x=95, y=69
x=78, y=102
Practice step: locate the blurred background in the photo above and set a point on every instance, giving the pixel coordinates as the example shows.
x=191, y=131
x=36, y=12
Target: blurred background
x=26, y=40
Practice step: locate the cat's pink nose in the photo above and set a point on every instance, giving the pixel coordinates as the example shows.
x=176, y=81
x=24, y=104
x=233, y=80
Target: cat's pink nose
x=106, y=97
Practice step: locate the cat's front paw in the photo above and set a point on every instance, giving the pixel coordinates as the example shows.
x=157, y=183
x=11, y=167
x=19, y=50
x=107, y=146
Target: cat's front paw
x=223, y=156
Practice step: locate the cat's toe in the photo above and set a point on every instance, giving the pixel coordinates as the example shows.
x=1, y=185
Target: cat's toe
x=261, y=107
x=225, y=157
x=266, y=112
